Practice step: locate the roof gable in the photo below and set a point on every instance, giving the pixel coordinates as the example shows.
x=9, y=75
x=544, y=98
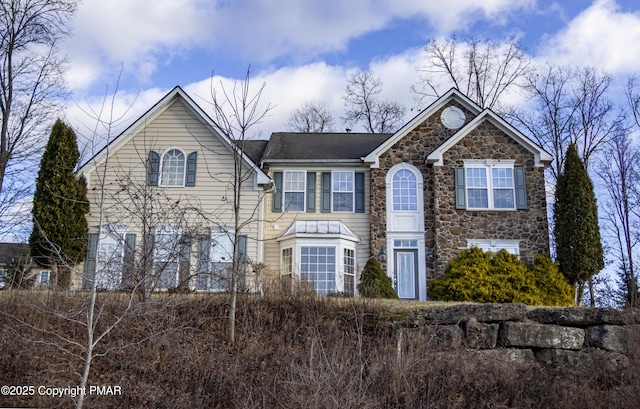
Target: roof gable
x=176, y=94
x=453, y=94
x=542, y=157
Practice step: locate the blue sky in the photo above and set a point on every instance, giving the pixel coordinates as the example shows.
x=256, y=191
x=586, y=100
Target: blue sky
x=306, y=49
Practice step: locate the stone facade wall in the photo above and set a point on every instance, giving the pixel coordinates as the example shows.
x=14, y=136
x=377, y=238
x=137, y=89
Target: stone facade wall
x=446, y=228
x=454, y=226
x=412, y=149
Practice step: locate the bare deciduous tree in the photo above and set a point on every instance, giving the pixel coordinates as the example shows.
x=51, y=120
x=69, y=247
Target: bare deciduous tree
x=569, y=106
x=237, y=111
x=365, y=108
x=619, y=169
x=484, y=70
x=31, y=87
x=313, y=116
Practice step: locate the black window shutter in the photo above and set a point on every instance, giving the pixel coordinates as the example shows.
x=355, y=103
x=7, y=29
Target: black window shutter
x=242, y=250
x=128, y=262
x=326, y=192
x=461, y=194
x=277, y=194
x=90, y=261
x=204, y=244
x=311, y=192
x=359, y=184
x=185, y=260
x=153, y=168
x=521, y=188
x=191, y=169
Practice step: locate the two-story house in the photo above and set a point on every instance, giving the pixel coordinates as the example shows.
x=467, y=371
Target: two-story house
x=315, y=207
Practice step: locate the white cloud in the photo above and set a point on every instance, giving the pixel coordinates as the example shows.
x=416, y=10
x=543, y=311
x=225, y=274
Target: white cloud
x=143, y=36
x=450, y=16
x=286, y=89
x=601, y=36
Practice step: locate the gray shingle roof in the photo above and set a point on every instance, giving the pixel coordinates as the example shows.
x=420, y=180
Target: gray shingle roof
x=254, y=149
x=325, y=146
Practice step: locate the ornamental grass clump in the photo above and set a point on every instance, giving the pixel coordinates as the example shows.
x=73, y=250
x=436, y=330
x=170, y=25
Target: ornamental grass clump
x=476, y=276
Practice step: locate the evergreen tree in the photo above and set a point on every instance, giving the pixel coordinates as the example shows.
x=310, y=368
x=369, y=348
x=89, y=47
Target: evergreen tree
x=59, y=235
x=578, y=247
x=374, y=282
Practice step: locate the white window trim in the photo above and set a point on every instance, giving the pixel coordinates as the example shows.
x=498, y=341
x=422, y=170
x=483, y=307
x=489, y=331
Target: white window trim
x=393, y=201
x=353, y=191
x=115, y=233
x=184, y=168
x=340, y=244
x=285, y=206
x=495, y=245
x=283, y=270
x=48, y=273
x=217, y=232
x=489, y=164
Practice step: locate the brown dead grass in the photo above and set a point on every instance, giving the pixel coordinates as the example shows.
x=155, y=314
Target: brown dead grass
x=292, y=352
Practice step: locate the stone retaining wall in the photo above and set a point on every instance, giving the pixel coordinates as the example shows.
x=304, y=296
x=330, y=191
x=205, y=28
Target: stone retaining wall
x=520, y=334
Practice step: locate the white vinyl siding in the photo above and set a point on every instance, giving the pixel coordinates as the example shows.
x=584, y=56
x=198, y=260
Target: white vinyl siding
x=126, y=176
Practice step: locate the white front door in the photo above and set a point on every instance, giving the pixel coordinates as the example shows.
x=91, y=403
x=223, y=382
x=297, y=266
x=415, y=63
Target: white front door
x=407, y=274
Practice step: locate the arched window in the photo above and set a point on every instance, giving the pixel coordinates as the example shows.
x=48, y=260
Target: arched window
x=405, y=192
x=172, y=168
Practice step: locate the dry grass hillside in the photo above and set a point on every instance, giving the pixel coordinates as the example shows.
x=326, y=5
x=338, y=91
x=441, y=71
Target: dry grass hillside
x=291, y=352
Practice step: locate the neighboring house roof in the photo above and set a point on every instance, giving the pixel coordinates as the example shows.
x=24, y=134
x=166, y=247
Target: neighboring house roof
x=543, y=158
x=169, y=99
x=321, y=147
x=10, y=252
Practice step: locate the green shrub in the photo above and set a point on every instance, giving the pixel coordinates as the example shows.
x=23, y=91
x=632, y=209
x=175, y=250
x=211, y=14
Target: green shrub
x=501, y=277
x=374, y=282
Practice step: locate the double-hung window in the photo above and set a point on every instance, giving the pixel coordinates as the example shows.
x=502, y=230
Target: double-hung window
x=490, y=185
x=349, y=263
x=110, y=256
x=287, y=261
x=215, y=260
x=44, y=277
x=342, y=191
x=166, y=257
x=294, y=191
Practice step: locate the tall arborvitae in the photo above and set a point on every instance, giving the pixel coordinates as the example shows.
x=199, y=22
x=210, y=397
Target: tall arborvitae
x=59, y=235
x=578, y=247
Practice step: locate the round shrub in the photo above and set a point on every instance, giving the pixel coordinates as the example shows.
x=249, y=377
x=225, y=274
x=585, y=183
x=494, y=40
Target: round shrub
x=501, y=277
x=374, y=282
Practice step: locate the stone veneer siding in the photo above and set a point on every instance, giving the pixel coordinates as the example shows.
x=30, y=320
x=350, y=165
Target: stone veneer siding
x=447, y=228
x=412, y=149
x=454, y=226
